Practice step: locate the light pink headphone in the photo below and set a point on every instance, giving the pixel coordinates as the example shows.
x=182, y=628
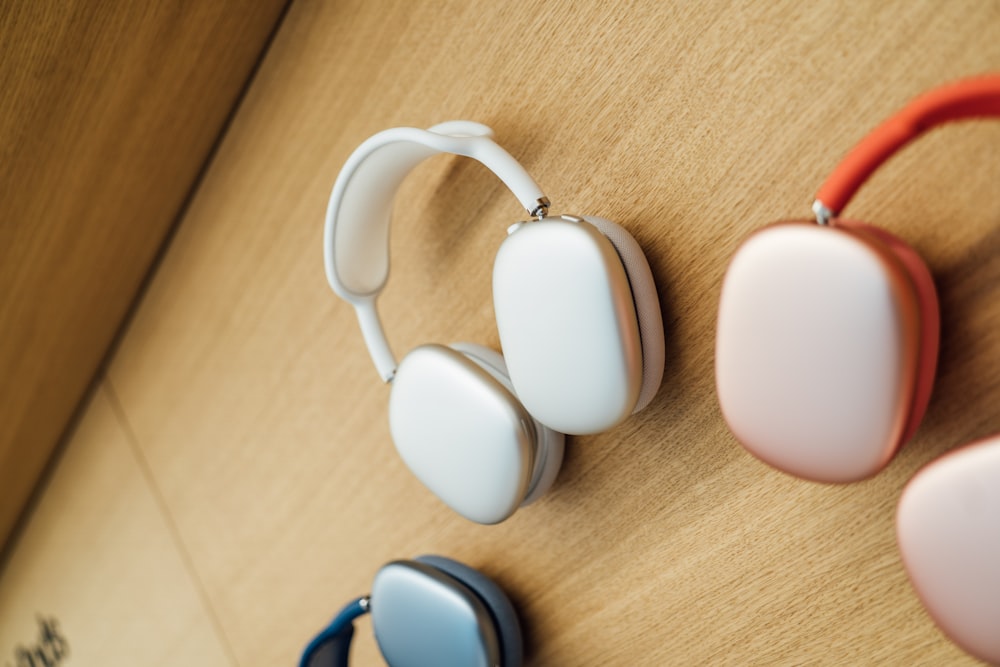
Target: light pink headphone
x=826, y=351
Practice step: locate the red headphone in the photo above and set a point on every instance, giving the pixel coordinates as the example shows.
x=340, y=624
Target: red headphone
x=826, y=351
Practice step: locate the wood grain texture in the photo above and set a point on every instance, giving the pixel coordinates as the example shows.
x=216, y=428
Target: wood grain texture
x=691, y=124
x=109, y=110
x=98, y=555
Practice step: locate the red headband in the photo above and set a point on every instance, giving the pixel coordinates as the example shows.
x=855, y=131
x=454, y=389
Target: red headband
x=969, y=98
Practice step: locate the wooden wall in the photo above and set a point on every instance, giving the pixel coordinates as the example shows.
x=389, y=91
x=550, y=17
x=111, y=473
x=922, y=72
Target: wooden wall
x=108, y=113
x=254, y=417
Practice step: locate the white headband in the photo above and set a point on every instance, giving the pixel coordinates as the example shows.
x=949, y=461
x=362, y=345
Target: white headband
x=356, y=236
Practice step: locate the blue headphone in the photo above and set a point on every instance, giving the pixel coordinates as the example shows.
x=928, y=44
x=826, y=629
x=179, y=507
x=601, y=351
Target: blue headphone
x=427, y=611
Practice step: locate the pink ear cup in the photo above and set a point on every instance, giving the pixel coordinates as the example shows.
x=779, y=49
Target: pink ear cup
x=948, y=527
x=819, y=350
x=930, y=317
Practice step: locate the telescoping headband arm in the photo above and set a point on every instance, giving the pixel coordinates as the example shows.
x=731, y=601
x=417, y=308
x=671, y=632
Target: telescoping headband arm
x=978, y=97
x=356, y=235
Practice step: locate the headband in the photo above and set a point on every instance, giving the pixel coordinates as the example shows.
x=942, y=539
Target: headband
x=970, y=98
x=330, y=648
x=356, y=235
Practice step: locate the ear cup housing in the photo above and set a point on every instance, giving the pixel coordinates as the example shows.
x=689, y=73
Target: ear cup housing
x=504, y=616
x=818, y=350
x=423, y=615
x=459, y=428
x=549, y=444
x=569, y=328
x=949, y=538
x=930, y=316
x=646, y=302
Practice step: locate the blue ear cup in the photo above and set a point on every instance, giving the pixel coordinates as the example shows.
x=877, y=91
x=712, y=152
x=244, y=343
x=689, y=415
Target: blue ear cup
x=427, y=611
x=505, y=618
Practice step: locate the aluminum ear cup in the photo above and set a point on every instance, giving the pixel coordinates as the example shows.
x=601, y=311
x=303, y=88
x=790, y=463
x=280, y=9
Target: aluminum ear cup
x=549, y=444
x=465, y=435
x=502, y=612
x=930, y=316
x=422, y=616
x=569, y=327
x=948, y=528
x=818, y=350
x=645, y=302
x=427, y=611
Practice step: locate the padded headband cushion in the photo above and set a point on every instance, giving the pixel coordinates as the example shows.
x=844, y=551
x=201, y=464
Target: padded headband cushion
x=647, y=306
x=356, y=240
x=507, y=625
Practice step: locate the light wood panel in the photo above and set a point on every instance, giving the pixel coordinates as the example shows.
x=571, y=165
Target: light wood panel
x=691, y=124
x=97, y=555
x=109, y=110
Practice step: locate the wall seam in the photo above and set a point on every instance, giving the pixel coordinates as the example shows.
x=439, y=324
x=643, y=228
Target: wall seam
x=168, y=518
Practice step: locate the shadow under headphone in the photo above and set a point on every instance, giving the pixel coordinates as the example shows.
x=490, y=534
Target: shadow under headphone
x=826, y=352
x=427, y=611
x=577, y=314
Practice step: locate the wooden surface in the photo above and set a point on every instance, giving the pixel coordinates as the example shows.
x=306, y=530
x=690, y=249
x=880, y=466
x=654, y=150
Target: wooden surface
x=251, y=398
x=99, y=558
x=109, y=110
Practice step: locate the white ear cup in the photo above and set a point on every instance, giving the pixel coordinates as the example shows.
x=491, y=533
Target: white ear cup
x=569, y=328
x=548, y=443
x=646, y=302
x=465, y=435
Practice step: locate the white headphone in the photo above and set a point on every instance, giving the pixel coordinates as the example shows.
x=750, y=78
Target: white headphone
x=577, y=313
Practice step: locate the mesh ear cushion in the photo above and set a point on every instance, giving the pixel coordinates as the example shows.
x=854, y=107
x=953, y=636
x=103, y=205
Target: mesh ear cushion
x=647, y=306
x=499, y=605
